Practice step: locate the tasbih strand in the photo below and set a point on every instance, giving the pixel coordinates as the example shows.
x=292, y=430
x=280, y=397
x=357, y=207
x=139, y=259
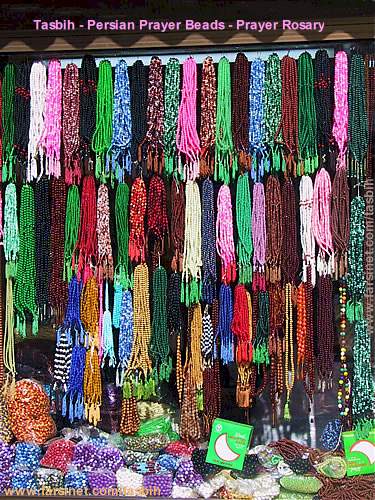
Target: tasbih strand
x=368, y=305
x=242, y=325
x=51, y=136
x=24, y=292
x=325, y=332
x=225, y=162
x=92, y=387
x=208, y=243
x=171, y=104
x=7, y=115
x=194, y=354
x=187, y=139
x=2, y=364
x=276, y=321
x=208, y=117
x=340, y=220
x=256, y=119
x=159, y=344
x=155, y=118
x=125, y=340
x=177, y=224
x=11, y=248
x=261, y=336
x=121, y=123
x=207, y=340
x=258, y=224
x=87, y=240
x=90, y=311
x=107, y=351
x=38, y=89
x=323, y=103
x=58, y=290
x=175, y=325
x=61, y=368
x=130, y=421
x=122, y=271
x=87, y=87
x=42, y=242
x=370, y=93
x=22, y=116
x=341, y=109
x=274, y=229
x=102, y=136
x=138, y=205
x=358, y=126
x=272, y=110
x=224, y=330
x=344, y=386
x=72, y=218
x=243, y=220
x=306, y=190
x=157, y=218
x=105, y=258
x=224, y=235
x=138, y=105
x=70, y=124
x=1, y=126
x=240, y=115
x=309, y=362
x=289, y=349
x=192, y=260
x=307, y=128
x=301, y=330
x=190, y=425
x=211, y=395
x=289, y=111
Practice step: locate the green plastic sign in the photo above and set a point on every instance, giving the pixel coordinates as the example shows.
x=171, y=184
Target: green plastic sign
x=228, y=444
x=359, y=453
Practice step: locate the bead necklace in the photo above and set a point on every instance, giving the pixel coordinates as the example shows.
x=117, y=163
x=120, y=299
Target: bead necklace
x=138, y=204
x=42, y=242
x=24, y=292
x=90, y=311
x=121, y=123
x=51, y=137
x=306, y=234
x=323, y=102
x=274, y=229
x=325, y=332
x=194, y=353
x=1, y=135
x=241, y=324
x=187, y=139
x=289, y=257
x=260, y=343
x=22, y=116
x=301, y=331
x=102, y=136
x=256, y=119
x=190, y=424
x=258, y=224
x=175, y=324
x=211, y=395
x=138, y=105
x=125, y=341
x=224, y=235
x=122, y=270
x=8, y=98
x=87, y=241
x=289, y=111
x=341, y=110
x=272, y=109
x=224, y=330
x=171, y=103
x=243, y=220
x=240, y=113
x=92, y=387
x=289, y=348
x=70, y=124
x=208, y=243
x=105, y=258
x=223, y=134
x=177, y=224
x=157, y=218
x=309, y=361
x=343, y=393
x=208, y=117
x=87, y=87
x=340, y=220
x=75, y=384
x=72, y=218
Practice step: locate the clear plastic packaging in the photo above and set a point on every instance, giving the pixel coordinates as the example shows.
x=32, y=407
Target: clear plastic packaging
x=59, y=455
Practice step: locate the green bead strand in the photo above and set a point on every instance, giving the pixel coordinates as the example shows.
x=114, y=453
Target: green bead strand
x=171, y=105
x=272, y=110
x=8, y=96
x=72, y=219
x=243, y=219
x=122, y=230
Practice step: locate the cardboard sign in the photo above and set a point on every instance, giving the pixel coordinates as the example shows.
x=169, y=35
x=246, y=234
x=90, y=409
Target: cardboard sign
x=359, y=453
x=229, y=443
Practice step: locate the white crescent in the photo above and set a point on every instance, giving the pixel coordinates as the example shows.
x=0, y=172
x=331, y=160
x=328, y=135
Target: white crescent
x=366, y=448
x=223, y=450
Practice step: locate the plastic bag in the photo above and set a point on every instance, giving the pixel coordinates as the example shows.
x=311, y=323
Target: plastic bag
x=130, y=483
x=158, y=485
x=85, y=456
x=101, y=480
x=7, y=456
x=49, y=479
x=76, y=479
x=59, y=455
x=158, y=425
x=110, y=458
x=28, y=456
x=148, y=442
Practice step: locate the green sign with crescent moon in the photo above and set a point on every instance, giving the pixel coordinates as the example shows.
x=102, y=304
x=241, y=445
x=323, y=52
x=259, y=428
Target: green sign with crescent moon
x=228, y=444
x=359, y=453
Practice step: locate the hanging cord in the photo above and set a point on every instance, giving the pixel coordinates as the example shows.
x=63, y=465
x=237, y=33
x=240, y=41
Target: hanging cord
x=358, y=126
x=340, y=220
x=155, y=118
x=258, y=225
x=105, y=259
x=272, y=110
x=323, y=103
x=24, y=292
x=225, y=163
x=289, y=256
x=177, y=224
x=72, y=218
x=138, y=205
x=58, y=290
x=38, y=90
x=256, y=119
x=70, y=124
x=159, y=344
x=157, y=218
x=192, y=261
x=341, y=110
x=122, y=270
x=51, y=136
x=240, y=113
x=225, y=321
x=242, y=325
x=307, y=128
x=138, y=92
x=171, y=104
x=321, y=222
x=121, y=123
x=243, y=219
x=306, y=190
x=88, y=76
x=8, y=101
x=370, y=93
x=325, y=332
x=208, y=243
x=274, y=229
x=187, y=139
x=102, y=137
x=22, y=116
x=224, y=235
x=208, y=117
x=289, y=111
x=125, y=342
x=42, y=244
x=87, y=241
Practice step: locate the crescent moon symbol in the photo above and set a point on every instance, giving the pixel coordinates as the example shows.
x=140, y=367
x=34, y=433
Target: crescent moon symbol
x=366, y=448
x=223, y=450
